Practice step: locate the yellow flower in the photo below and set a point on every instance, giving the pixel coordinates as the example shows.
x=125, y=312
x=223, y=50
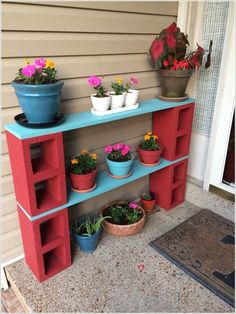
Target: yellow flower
x=50, y=64
x=94, y=156
x=119, y=80
x=149, y=133
x=83, y=151
x=27, y=61
x=74, y=161
x=155, y=137
x=146, y=137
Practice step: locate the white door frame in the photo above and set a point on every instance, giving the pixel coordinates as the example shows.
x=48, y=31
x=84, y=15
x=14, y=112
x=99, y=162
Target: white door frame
x=224, y=109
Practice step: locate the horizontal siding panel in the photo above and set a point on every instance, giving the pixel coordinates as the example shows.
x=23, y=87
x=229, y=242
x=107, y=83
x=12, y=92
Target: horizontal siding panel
x=83, y=66
x=11, y=254
x=27, y=44
x=10, y=222
x=11, y=239
x=7, y=185
x=76, y=88
x=8, y=204
x=18, y=17
x=154, y=7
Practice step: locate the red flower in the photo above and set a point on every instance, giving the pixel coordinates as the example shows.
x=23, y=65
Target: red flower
x=157, y=49
x=166, y=63
x=172, y=28
x=170, y=40
x=175, y=66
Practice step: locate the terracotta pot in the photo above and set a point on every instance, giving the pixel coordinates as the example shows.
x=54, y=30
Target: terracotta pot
x=148, y=205
x=149, y=156
x=174, y=82
x=83, y=181
x=125, y=230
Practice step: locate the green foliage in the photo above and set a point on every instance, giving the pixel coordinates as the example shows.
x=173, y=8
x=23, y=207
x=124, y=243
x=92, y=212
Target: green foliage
x=89, y=227
x=101, y=91
x=83, y=163
x=150, y=144
x=123, y=214
x=148, y=196
x=119, y=89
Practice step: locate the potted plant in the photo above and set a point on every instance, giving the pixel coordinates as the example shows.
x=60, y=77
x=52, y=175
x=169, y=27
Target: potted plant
x=118, y=95
x=132, y=94
x=119, y=160
x=150, y=150
x=125, y=218
x=83, y=171
x=87, y=233
x=101, y=101
x=38, y=91
x=148, y=201
x=175, y=66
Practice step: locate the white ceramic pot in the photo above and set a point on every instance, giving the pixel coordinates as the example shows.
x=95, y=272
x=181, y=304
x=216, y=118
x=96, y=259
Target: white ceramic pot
x=101, y=103
x=131, y=97
x=117, y=101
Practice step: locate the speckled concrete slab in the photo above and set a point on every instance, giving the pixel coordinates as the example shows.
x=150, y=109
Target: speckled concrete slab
x=122, y=275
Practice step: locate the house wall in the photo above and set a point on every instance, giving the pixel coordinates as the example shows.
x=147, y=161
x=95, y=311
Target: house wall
x=106, y=39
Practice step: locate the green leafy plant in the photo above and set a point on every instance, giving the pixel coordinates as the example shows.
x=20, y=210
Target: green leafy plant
x=149, y=196
x=83, y=163
x=149, y=142
x=124, y=213
x=118, y=87
x=89, y=227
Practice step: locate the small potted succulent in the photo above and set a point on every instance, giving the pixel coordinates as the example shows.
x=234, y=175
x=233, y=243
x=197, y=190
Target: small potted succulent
x=83, y=171
x=150, y=150
x=132, y=94
x=87, y=233
x=101, y=101
x=125, y=218
x=118, y=94
x=119, y=160
x=148, y=201
x=38, y=91
x=175, y=66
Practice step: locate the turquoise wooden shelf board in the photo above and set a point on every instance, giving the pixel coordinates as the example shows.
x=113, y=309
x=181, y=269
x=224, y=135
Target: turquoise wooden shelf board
x=84, y=119
x=106, y=183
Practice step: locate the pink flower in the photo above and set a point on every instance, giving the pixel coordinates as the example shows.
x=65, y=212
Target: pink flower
x=166, y=63
x=108, y=149
x=133, y=80
x=94, y=81
x=133, y=205
x=29, y=70
x=125, y=150
x=118, y=146
x=39, y=63
x=157, y=49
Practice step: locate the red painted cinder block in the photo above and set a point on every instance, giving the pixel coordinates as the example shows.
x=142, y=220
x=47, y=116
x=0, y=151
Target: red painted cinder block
x=173, y=127
x=46, y=243
x=169, y=185
x=40, y=184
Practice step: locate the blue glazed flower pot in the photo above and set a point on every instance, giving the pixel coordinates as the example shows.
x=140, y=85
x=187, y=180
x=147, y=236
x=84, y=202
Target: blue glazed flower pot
x=88, y=244
x=40, y=103
x=119, y=168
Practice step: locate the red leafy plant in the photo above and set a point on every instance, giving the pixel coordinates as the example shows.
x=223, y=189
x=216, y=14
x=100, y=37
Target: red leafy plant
x=169, y=51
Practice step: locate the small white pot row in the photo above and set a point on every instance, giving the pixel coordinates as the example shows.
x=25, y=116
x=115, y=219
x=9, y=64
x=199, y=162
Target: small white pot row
x=112, y=101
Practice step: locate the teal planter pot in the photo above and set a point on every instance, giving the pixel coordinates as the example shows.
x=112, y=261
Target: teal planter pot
x=119, y=168
x=40, y=103
x=88, y=244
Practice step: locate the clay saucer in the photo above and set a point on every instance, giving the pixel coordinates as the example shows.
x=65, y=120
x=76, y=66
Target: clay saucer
x=84, y=191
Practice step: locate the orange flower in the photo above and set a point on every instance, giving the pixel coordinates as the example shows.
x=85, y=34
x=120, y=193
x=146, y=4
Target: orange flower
x=74, y=161
x=50, y=64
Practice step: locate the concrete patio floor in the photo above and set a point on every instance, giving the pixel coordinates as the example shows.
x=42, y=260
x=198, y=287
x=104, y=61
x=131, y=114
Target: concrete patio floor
x=110, y=279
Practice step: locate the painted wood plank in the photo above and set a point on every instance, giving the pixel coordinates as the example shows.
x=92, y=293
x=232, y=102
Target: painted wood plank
x=22, y=17
x=85, y=119
x=106, y=183
x=27, y=44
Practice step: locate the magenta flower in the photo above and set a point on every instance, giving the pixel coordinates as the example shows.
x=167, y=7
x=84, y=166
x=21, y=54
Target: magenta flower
x=39, y=63
x=118, y=146
x=94, y=81
x=29, y=70
x=133, y=205
x=133, y=80
x=108, y=149
x=125, y=150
